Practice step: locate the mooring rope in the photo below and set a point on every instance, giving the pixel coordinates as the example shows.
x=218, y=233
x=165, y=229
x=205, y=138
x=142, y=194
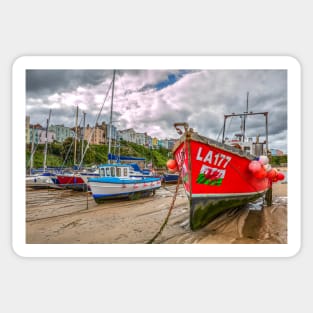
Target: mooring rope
x=173, y=199
x=168, y=213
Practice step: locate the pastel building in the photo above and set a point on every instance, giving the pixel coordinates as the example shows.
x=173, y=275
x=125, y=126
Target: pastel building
x=140, y=138
x=155, y=142
x=171, y=143
x=37, y=134
x=61, y=132
x=163, y=143
x=128, y=135
x=148, y=142
x=27, y=134
x=114, y=133
x=95, y=135
x=277, y=152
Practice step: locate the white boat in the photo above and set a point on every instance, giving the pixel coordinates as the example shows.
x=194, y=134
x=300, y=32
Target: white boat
x=41, y=180
x=115, y=182
x=120, y=180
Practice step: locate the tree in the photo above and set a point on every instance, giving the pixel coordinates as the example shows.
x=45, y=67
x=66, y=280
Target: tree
x=67, y=151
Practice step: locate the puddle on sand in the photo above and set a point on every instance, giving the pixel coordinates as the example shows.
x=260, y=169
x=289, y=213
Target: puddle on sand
x=257, y=205
x=254, y=223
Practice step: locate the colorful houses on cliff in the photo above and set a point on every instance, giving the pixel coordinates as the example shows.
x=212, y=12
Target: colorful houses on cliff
x=99, y=134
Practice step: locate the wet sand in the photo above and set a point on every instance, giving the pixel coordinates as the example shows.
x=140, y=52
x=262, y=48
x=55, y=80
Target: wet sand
x=68, y=217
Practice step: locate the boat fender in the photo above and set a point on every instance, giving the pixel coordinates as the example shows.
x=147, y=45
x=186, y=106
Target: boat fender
x=171, y=165
x=263, y=159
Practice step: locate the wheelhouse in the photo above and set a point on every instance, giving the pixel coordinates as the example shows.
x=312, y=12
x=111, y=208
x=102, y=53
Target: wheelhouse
x=116, y=170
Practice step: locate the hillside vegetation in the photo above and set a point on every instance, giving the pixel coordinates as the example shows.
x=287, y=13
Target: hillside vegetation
x=62, y=154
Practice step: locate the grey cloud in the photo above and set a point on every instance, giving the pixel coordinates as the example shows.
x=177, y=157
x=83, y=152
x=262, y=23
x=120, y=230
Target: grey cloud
x=43, y=82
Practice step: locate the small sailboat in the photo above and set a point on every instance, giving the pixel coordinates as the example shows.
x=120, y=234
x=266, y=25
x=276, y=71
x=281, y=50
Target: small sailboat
x=43, y=178
x=71, y=180
x=120, y=180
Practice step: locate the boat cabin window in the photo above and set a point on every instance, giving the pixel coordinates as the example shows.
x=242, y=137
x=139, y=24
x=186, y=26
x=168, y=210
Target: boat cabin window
x=121, y=171
x=107, y=171
x=125, y=172
x=101, y=171
x=113, y=171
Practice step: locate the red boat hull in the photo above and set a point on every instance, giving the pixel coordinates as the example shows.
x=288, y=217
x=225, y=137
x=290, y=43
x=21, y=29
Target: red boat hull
x=72, y=182
x=216, y=178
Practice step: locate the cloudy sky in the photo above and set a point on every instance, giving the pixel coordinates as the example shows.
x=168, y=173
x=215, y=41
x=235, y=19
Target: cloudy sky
x=152, y=100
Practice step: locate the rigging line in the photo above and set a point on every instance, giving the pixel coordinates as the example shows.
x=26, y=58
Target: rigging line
x=231, y=119
x=96, y=121
x=219, y=134
x=121, y=80
x=32, y=153
x=67, y=153
x=71, y=145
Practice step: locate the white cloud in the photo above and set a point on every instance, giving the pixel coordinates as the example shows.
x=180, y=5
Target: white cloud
x=200, y=98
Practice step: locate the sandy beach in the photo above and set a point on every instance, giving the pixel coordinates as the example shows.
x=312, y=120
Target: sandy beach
x=69, y=217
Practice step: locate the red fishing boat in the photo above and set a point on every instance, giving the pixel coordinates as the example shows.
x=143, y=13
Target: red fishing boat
x=218, y=176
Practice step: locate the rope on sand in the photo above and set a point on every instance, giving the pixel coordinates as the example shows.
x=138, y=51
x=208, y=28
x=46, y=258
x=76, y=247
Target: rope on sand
x=168, y=213
x=172, y=204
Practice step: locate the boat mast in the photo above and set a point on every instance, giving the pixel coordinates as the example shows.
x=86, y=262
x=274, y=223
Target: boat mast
x=82, y=137
x=46, y=144
x=110, y=131
x=244, y=119
x=32, y=151
x=75, y=142
x=96, y=121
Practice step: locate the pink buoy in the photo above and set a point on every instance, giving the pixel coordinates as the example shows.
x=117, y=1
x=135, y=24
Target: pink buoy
x=263, y=159
x=261, y=173
x=254, y=166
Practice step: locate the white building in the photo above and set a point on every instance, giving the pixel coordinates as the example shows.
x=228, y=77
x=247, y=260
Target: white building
x=140, y=138
x=128, y=135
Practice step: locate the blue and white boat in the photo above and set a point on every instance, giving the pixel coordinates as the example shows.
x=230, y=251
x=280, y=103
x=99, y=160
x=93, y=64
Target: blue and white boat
x=118, y=180
x=169, y=178
x=115, y=182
